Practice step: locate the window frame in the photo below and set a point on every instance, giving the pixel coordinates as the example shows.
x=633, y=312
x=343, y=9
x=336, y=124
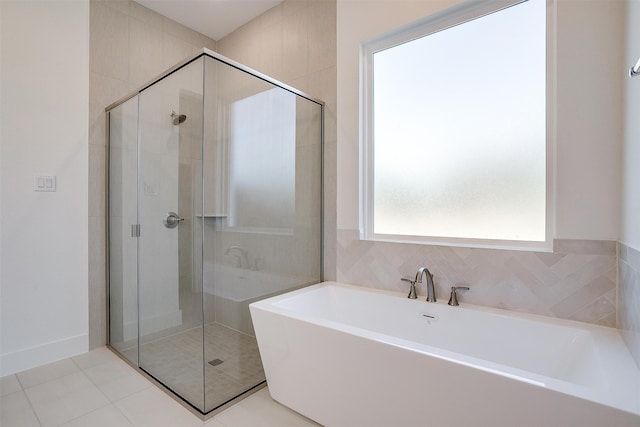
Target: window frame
x=443, y=20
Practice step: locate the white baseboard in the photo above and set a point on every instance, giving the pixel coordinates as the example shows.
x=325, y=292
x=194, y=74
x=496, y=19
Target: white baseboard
x=28, y=358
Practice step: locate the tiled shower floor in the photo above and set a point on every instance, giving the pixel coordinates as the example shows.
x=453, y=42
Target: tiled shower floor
x=176, y=361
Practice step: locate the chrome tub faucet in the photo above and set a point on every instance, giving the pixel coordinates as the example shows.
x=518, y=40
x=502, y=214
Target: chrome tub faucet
x=431, y=291
x=412, y=289
x=453, y=299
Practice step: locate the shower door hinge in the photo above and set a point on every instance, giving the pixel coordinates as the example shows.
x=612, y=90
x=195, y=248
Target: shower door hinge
x=135, y=230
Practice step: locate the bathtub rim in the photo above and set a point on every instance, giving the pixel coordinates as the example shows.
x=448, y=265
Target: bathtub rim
x=613, y=396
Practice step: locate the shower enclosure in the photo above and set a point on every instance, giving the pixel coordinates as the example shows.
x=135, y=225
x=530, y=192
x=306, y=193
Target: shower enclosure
x=215, y=196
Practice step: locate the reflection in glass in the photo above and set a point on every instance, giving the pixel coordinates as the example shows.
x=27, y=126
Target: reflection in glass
x=261, y=192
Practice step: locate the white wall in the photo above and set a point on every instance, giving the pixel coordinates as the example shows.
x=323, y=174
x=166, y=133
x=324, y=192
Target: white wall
x=590, y=74
x=44, y=130
x=589, y=101
x=630, y=234
x=359, y=21
x=1, y=298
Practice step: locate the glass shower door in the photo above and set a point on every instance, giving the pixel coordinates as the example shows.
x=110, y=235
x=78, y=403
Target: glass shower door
x=170, y=242
x=262, y=208
x=214, y=203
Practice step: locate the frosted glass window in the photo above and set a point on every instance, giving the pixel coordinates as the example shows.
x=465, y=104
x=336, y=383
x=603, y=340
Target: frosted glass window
x=458, y=130
x=262, y=149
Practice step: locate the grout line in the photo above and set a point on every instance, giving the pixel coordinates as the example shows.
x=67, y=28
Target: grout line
x=33, y=410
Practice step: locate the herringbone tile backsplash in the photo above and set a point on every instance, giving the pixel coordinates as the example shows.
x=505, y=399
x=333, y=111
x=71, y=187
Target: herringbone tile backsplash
x=577, y=281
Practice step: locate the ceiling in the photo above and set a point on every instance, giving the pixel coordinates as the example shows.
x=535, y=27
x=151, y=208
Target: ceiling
x=213, y=18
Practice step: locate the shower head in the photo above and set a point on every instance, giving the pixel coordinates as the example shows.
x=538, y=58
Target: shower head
x=178, y=118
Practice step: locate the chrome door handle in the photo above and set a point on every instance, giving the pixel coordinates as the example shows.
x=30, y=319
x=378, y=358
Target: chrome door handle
x=172, y=220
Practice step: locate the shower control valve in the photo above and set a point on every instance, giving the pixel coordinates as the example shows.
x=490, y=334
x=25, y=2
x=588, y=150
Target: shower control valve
x=172, y=220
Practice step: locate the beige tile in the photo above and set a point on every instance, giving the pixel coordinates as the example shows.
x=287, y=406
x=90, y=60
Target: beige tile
x=145, y=52
x=108, y=416
x=65, y=398
x=322, y=35
x=214, y=423
x=145, y=15
x=109, y=41
x=578, y=286
x=97, y=129
x=45, y=373
x=630, y=255
x=596, y=266
x=609, y=320
x=269, y=18
x=15, y=411
x=585, y=247
x=268, y=52
x=124, y=386
x=177, y=361
x=293, y=6
x=525, y=275
x=248, y=44
x=95, y=357
x=110, y=371
x=302, y=84
x=97, y=282
x=594, y=312
x=103, y=91
x=9, y=384
x=259, y=410
x=228, y=45
x=153, y=408
x=549, y=258
x=628, y=300
x=175, y=50
x=186, y=34
x=204, y=41
x=295, y=50
x=120, y=5
x=97, y=180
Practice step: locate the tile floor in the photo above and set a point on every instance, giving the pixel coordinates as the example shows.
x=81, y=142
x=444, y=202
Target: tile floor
x=98, y=389
x=176, y=360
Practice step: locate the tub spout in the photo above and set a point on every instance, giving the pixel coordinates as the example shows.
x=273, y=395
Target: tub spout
x=431, y=291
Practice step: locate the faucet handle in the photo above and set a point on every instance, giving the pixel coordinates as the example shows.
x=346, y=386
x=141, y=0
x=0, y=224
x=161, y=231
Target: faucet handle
x=453, y=299
x=412, y=290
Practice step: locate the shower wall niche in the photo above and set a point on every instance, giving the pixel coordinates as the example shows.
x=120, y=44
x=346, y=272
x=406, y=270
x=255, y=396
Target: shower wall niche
x=215, y=194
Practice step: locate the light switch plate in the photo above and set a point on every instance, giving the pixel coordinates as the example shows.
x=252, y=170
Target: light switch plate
x=45, y=183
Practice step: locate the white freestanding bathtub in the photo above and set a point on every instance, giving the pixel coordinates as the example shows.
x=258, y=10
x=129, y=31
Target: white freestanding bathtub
x=353, y=356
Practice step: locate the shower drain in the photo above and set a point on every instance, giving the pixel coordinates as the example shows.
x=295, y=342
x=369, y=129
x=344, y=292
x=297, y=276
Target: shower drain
x=215, y=362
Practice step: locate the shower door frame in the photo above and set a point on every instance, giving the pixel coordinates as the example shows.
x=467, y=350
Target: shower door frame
x=223, y=59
